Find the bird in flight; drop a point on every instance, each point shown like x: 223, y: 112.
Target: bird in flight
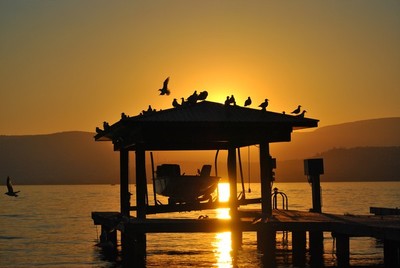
x: 247, y: 102
x: 164, y: 90
x: 297, y: 110
x: 10, y: 190
x: 264, y: 105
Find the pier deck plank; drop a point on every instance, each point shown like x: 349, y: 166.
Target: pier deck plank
x: 379, y: 226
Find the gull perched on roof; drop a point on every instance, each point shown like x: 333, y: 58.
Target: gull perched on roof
x: 297, y: 110
x: 264, y: 105
x: 247, y: 102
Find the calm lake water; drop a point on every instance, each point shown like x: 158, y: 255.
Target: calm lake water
x: 51, y: 226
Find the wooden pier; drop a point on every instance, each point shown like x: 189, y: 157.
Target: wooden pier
x: 342, y: 228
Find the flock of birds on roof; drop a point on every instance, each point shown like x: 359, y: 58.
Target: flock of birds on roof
x: 230, y: 100
x: 194, y: 98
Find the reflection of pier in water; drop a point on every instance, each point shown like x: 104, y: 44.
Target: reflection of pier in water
x: 213, y: 126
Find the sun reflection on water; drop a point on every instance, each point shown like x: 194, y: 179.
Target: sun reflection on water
x: 222, y: 243
x: 223, y: 249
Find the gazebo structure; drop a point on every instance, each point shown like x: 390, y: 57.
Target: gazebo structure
x: 213, y: 126
x: 199, y: 126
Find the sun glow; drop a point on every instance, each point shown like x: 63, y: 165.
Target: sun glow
x: 223, y: 196
x: 223, y: 192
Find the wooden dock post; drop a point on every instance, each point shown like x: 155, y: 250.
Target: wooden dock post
x: 266, y: 177
x: 139, y: 239
x: 299, y: 241
x: 313, y: 168
x: 232, y: 175
x: 124, y: 182
x: 266, y: 244
x: 342, y: 250
x: 391, y: 253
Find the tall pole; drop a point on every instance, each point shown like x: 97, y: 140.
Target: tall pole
x: 124, y: 182
x: 266, y: 174
x: 141, y: 182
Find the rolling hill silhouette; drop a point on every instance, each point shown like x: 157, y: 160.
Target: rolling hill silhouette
x: 362, y: 151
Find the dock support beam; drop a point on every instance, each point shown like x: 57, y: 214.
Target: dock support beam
x: 299, y: 241
x: 266, y: 244
x: 266, y: 175
x: 124, y: 182
x: 391, y: 253
x: 342, y: 250
x: 141, y: 182
x: 139, y: 239
x: 232, y: 172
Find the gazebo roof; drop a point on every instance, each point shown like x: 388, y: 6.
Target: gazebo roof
x: 202, y: 126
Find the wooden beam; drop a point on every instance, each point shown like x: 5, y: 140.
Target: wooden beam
x: 266, y: 179
x: 124, y: 182
x: 141, y: 182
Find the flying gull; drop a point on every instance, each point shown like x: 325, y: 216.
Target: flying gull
x: 164, y: 90
x: 10, y: 189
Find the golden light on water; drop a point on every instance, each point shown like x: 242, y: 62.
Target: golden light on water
x: 223, y: 196
x: 223, y: 243
x: 223, y: 249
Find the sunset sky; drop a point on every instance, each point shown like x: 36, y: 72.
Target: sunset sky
x: 70, y: 65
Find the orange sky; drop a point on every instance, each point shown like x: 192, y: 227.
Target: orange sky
x: 70, y: 65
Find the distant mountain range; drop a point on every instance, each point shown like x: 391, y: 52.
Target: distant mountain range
x: 367, y: 150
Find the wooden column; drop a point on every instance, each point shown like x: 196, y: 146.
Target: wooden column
x: 266, y: 170
x: 266, y: 243
x: 342, y: 250
x: 232, y: 174
x: 138, y: 238
x: 141, y: 182
x: 299, y: 241
x: 391, y: 253
x: 124, y: 182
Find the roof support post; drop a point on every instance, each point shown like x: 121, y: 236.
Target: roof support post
x: 141, y: 182
x: 233, y: 202
x: 266, y: 174
x: 232, y: 181
x: 124, y: 182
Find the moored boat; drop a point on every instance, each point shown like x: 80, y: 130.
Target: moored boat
x: 182, y: 188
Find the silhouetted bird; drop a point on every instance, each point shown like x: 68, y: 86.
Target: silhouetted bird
x: 247, y: 102
x: 124, y: 116
x: 164, y: 90
x: 203, y: 95
x: 175, y: 103
x: 227, y: 101
x: 302, y: 114
x: 264, y: 105
x: 106, y: 125
x: 232, y: 100
x: 297, y: 110
x: 192, y: 99
x: 10, y: 190
x: 183, y: 101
